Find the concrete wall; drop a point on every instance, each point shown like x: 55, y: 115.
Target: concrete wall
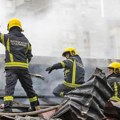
x: 38, y: 66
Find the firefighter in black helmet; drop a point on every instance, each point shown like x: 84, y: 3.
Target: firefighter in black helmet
x: 73, y: 72
x: 114, y: 80
x: 18, y: 55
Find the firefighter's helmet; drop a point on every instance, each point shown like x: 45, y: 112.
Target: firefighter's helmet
x: 115, y: 66
x: 70, y: 50
x: 14, y: 22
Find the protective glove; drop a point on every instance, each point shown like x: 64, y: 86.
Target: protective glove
x: 53, y: 67
x: 49, y: 69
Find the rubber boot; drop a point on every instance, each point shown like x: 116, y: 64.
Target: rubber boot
x: 34, y: 108
x: 37, y: 107
x: 8, y: 106
x: 34, y: 105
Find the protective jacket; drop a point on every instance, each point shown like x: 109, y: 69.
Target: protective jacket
x: 18, y: 55
x: 73, y: 71
x: 18, y: 49
x: 114, y: 81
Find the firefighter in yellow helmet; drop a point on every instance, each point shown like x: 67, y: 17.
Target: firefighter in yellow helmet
x: 15, y: 22
x: 17, y: 57
x: 73, y: 72
x: 114, y: 80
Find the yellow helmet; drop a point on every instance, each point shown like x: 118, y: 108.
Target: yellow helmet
x: 14, y: 22
x: 115, y: 66
x: 70, y: 50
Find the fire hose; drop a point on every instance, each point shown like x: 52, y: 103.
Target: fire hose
x: 31, y: 113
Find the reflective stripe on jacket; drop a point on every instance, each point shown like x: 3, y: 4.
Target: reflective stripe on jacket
x: 18, y: 49
x: 73, y: 72
x: 115, y: 85
x: 116, y: 96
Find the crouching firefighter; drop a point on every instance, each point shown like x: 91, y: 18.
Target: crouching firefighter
x: 114, y: 80
x: 73, y: 72
x: 17, y: 57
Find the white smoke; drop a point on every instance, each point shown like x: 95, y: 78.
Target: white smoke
x: 52, y: 31
x: 3, y: 14
x: 66, y: 23
x: 49, y: 33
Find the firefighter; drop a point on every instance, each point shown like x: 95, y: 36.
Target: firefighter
x: 114, y: 80
x: 73, y: 72
x: 17, y: 57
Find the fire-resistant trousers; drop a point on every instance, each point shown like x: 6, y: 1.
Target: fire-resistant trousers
x: 12, y: 75
x: 61, y: 90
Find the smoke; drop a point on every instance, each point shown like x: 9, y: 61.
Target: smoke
x: 51, y: 29
x: 53, y: 25
x: 3, y: 13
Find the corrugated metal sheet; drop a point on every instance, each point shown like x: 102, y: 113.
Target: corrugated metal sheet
x: 87, y: 102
